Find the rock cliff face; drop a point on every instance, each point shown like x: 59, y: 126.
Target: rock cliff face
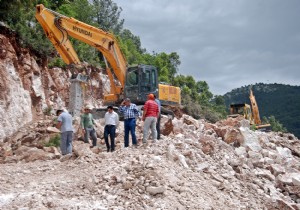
x: 13, y: 91
x: 28, y: 87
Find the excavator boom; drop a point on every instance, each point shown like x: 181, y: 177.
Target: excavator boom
x: 255, y: 110
x: 59, y: 27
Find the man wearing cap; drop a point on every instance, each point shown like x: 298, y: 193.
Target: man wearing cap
x: 150, y: 115
x: 87, y: 125
x: 65, y: 125
x: 130, y: 112
x: 111, y: 122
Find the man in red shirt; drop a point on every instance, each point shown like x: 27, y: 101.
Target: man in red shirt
x: 150, y: 115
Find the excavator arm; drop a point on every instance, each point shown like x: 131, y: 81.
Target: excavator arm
x: 59, y: 27
x: 255, y: 110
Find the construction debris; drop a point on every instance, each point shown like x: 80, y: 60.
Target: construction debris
x: 194, y: 169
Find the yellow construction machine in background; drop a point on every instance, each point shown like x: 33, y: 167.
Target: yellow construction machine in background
x: 250, y: 113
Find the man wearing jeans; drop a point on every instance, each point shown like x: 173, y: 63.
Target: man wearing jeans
x: 65, y: 125
x: 150, y: 115
x: 111, y: 122
x: 87, y: 125
x: 130, y: 112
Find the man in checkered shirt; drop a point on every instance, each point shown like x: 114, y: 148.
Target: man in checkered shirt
x: 130, y: 112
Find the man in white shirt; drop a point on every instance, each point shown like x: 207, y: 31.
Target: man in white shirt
x: 111, y: 122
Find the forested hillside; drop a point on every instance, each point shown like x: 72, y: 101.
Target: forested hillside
x: 105, y: 14
x: 281, y: 101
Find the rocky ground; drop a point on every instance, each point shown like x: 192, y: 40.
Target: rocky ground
x: 198, y: 165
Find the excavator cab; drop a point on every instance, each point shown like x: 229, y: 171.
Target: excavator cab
x: 140, y: 81
x: 241, y: 110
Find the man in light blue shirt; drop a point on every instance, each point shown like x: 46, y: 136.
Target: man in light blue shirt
x: 65, y: 125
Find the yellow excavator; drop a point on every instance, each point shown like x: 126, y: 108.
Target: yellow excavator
x: 135, y: 82
x: 250, y: 113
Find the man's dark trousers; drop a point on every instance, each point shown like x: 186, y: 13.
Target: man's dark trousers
x: 158, y: 127
x: 110, y: 130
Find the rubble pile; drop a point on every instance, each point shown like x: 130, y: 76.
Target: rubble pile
x: 194, y: 167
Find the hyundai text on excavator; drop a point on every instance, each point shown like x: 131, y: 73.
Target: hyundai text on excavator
x: 134, y: 82
x: 250, y: 113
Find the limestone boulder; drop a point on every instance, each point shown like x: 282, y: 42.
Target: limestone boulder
x: 233, y: 135
x: 82, y: 149
x: 155, y: 190
x: 53, y: 130
x: 190, y: 121
x: 167, y: 128
x: 250, y: 140
x: 208, y: 144
x: 276, y: 169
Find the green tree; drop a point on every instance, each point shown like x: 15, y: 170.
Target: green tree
x: 167, y: 61
x: 219, y: 106
x: 131, y: 47
x: 107, y: 15
x: 174, y: 62
x: 126, y: 34
x: 275, y: 124
x: 81, y: 9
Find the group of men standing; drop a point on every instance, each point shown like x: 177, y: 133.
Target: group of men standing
x: 151, y: 117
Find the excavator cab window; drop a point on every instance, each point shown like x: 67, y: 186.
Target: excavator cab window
x: 240, y: 110
x: 146, y: 81
x: 154, y: 78
x: 132, y: 78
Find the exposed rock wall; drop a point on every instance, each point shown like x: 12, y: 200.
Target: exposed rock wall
x: 28, y: 87
x: 15, y: 101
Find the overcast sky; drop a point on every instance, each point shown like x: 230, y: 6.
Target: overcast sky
x: 227, y: 43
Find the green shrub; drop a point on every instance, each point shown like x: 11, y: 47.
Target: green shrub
x: 56, y: 62
x: 54, y: 141
x: 275, y: 124
x: 253, y: 127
